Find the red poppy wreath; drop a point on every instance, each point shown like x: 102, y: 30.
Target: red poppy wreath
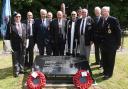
x: 36, y: 80
x: 82, y: 79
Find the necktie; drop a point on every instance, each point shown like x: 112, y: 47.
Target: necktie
x: 30, y: 28
x: 19, y: 30
x: 59, y: 23
x: 43, y: 22
x: 103, y: 23
x: 97, y: 19
x: 82, y: 27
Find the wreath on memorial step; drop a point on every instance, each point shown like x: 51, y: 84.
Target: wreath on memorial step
x: 36, y: 80
x: 82, y: 79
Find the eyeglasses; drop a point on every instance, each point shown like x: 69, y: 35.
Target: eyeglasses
x: 73, y: 14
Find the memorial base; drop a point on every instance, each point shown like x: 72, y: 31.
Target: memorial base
x: 58, y: 69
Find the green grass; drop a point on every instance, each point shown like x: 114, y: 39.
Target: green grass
x: 118, y: 81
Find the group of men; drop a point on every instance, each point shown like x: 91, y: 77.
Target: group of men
x: 62, y: 36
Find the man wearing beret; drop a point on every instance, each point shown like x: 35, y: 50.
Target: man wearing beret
x: 16, y: 33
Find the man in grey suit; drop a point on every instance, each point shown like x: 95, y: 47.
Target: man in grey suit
x: 42, y: 34
x: 16, y: 33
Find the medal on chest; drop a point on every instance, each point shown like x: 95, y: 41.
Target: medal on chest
x: 109, y: 30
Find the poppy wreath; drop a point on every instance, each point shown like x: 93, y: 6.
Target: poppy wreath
x: 82, y: 81
x: 37, y: 82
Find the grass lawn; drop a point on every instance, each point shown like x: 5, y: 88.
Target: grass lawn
x: 118, y: 81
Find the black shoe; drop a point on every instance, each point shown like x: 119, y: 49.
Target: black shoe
x: 22, y: 71
x: 16, y: 74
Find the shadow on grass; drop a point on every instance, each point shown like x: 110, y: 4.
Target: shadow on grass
x: 6, y: 72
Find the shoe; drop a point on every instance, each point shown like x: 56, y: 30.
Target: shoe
x: 16, y: 74
x: 95, y: 63
x: 94, y: 83
x: 21, y: 72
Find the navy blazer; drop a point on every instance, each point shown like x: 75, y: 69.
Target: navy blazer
x: 54, y: 29
x: 41, y: 31
x: 96, y: 29
x: 110, y: 33
x: 88, y: 30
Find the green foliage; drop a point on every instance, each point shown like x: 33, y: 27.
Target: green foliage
x: 118, y: 7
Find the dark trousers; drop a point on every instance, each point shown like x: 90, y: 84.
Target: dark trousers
x: 18, y: 59
x: 74, y: 51
x: 42, y: 45
x: 98, y: 57
x: 29, y: 53
x: 48, y: 48
x: 58, y: 48
x: 108, y: 57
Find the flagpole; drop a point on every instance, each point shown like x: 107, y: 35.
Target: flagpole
x: 6, y: 13
x: 4, y: 48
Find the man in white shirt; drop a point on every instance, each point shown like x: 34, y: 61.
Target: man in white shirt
x: 31, y: 41
x: 42, y: 34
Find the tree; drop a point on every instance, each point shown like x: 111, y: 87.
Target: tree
x: 117, y: 7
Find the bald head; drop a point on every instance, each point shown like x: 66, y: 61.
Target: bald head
x: 59, y: 14
x: 29, y: 15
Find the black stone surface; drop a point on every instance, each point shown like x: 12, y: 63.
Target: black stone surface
x: 58, y: 68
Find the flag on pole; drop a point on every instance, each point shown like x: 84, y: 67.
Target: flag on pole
x: 6, y: 13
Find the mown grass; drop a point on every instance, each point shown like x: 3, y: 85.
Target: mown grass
x: 118, y: 81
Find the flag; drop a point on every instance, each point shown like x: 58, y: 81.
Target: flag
x: 6, y: 13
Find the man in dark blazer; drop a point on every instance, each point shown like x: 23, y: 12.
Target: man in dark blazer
x: 96, y: 38
x: 16, y: 33
x: 84, y: 34
x: 42, y: 33
x: 70, y: 33
x: 57, y: 28
x: 110, y: 41
x: 31, y: 40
